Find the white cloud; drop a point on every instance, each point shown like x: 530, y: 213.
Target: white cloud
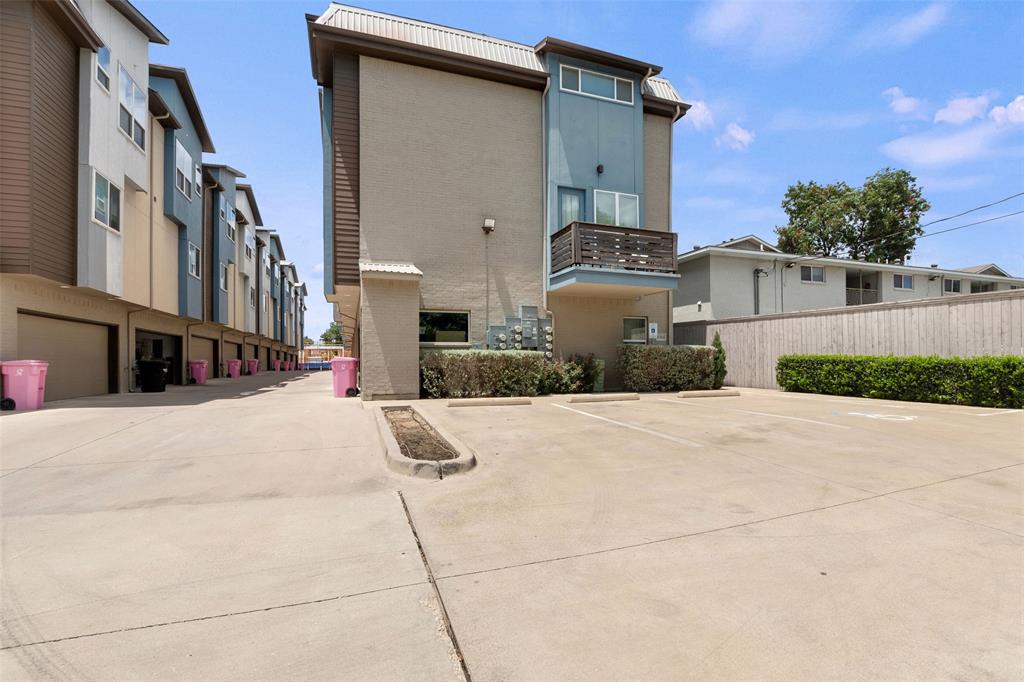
x: 955, y: 183
x: 699, y: 116
x: 962, y: 109
x: 944, y: 149
x: 907, y: 30
x: 735, y: 137
x: 319, y: 267
x: 1010, y: 114
x: 769, y: 32
x: 900, y: 103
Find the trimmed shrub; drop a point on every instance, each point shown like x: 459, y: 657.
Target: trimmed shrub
x: 494, y: 373
x: 591, y: 369
x: 666, y: 368
x: 719, y: 362
x: 987, y: 381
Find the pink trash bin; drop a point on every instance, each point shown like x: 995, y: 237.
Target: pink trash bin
x: 253, y: 365
x: 288, y: 365
x: 343, y: 372
x: 277, y: 365
x: 234, y: 368
x: 24, y: 383
x: 197, y: 369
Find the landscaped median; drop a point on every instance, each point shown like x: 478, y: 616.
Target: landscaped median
x: 986, y: 381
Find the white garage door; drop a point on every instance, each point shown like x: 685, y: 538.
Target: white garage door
x: 77, y: 353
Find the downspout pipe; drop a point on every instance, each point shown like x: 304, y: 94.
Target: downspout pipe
x: 758, y: 274
x: 544, y: 208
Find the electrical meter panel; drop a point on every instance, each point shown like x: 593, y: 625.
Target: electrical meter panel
x: 526, y: 332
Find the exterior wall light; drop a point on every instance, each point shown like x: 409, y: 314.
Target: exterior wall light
x: 488, y: 225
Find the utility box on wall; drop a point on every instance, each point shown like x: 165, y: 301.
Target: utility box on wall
x: 526, y: 332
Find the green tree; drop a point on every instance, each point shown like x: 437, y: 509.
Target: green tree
x: 306, y: 341
x: 332, y: 336
x: 718, y: 362
x: 877, y: 221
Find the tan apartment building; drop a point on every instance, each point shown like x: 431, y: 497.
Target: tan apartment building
x: 107, y: 205
x: 481, y: 193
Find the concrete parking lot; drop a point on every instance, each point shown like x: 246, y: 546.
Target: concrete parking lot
x: 250, y: 530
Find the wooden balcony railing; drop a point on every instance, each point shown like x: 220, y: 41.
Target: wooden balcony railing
x: 607, y: 246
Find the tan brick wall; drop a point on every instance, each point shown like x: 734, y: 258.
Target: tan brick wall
x: 389, y: 344
x: 594, y: 325
x: 657, y: 172
x: 440, y: 153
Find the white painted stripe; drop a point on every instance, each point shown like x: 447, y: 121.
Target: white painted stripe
x: 996, y: 414
x: 761, y: 414
x: 657, y: 434
x: 928, y: 407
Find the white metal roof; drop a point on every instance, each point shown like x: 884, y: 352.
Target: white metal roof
x: 456, y: 41
x: 390, y: 268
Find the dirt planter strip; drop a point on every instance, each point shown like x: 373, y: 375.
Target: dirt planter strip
x: 602, y: 397
x: 397, y: 461
x: 711, y: 393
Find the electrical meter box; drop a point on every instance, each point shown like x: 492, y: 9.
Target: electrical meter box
x: 526, y: 332
x: 497, y: 338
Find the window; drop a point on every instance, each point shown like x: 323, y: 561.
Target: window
x: 106, y: 205
x: 182, y: 170
x: 222, y: 204
x: 634, y: 330
x: 570, y: 205
x: 266, y: 298
x: 132, y: 110
x: 615, y: 208
x: 812, y: 273
x: 252, y: 297
x: 443, y: 327
x: 103, y: 67
x: 230, y: 222
x: 194, y: 260
x: 951, y: 286
x: 197, y: 180
x: 902, y: 281
x: 982, y: 287
x: 597, y: 85
x: 223, y: 277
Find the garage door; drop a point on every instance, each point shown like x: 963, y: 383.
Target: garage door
x: 251, y: 352
x: 78, y: 354
x: 201, y: 349
x: 232, y: 351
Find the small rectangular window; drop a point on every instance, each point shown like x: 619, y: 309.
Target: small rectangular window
x: 197, y: 180
x: 570, y: 79
x: 903, y: 281
x: 132, y: 110
x: 103, y: 67
x: 252, y: 297
x: 812, y: 273
x: 616, y: 208
x: 223, y: 277
x: 951, y: 286
x: 230, y: 221
x: 183, y: 170
x: 443, y: 327
x: 106, y: 209
x: 194, y: 260
x: 634, y: 330
x: 624, y: 90
x: 596, y: 84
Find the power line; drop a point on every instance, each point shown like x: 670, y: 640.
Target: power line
x: 960, y: 227
x: 972, y: 210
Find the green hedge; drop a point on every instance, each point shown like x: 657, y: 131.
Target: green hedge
x: 988, y: 381
x: 666, y: 368
x: 490, y: 373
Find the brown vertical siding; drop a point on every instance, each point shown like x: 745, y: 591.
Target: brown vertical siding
x: 345, y: 125
x: 38, y: 143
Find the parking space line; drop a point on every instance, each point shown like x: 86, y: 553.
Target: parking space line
x: 996, y: 414
x: 761, y: 414
x: 889, y: 404
x: 657, y: 434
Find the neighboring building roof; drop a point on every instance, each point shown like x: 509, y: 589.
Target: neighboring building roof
x: 139, y: 21
x: 188, y: 95
x: 252, y: 202
x: 395, y: 37
x: 753, y: 240
x: 220, y: 166
x: 399, y: 269
x: 846, y: 263
x: 158, y: 107
x: 986, y: 269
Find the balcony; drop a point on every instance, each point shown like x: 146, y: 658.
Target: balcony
x: 592, y: 259
x: 861, y: 296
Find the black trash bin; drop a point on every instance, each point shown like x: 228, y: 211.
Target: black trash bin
x: 153, y: 376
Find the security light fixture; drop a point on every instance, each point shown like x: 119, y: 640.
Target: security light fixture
x: 488, y: 225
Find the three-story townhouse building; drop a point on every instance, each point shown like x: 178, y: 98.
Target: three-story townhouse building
x: 485, y: 193
x: 103, y: 255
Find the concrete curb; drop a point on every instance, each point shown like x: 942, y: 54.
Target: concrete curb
x: 709, y: 393
x: 416, y: 468
x: 485, y: 402
x: 602, y: 397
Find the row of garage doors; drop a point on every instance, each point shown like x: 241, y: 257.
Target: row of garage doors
x: 83, y: 355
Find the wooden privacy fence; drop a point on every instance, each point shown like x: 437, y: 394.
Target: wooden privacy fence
x: 968, y: 325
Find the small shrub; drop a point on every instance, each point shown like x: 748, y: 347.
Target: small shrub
x: 666, y: 368
x: 493, y: 373
x: 986, y: 381
x: 561, y: 377
x: 719, y: 362
x: 591, y: 368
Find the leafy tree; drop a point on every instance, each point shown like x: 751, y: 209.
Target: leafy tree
x: 877, y: 221
x: 332, y: 336
x: 718, y: 362
x: 306, y: 341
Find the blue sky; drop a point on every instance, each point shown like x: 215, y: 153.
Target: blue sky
x: 781, y: 92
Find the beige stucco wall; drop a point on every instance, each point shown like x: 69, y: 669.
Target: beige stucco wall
x: 657, y: 172
x: 594, y: 325
x: 440, y: 153
x: 389, y: 332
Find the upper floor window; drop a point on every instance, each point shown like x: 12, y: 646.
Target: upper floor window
x: 132, y: 112
x: 106, y: 205
x: 182, y: 170
x: 222, y: 205
x: 814, y: 274
x: 231, y: 223
x: 103, y: 67
x: 597, y: 85
x: 197, y: 180
x: 250, y: 245
x: 616, y: 208
x: 252, y: 297
x: 223, y: 277
x: 902, y: 281
x: 194, y: 260
x: 951, y: 286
